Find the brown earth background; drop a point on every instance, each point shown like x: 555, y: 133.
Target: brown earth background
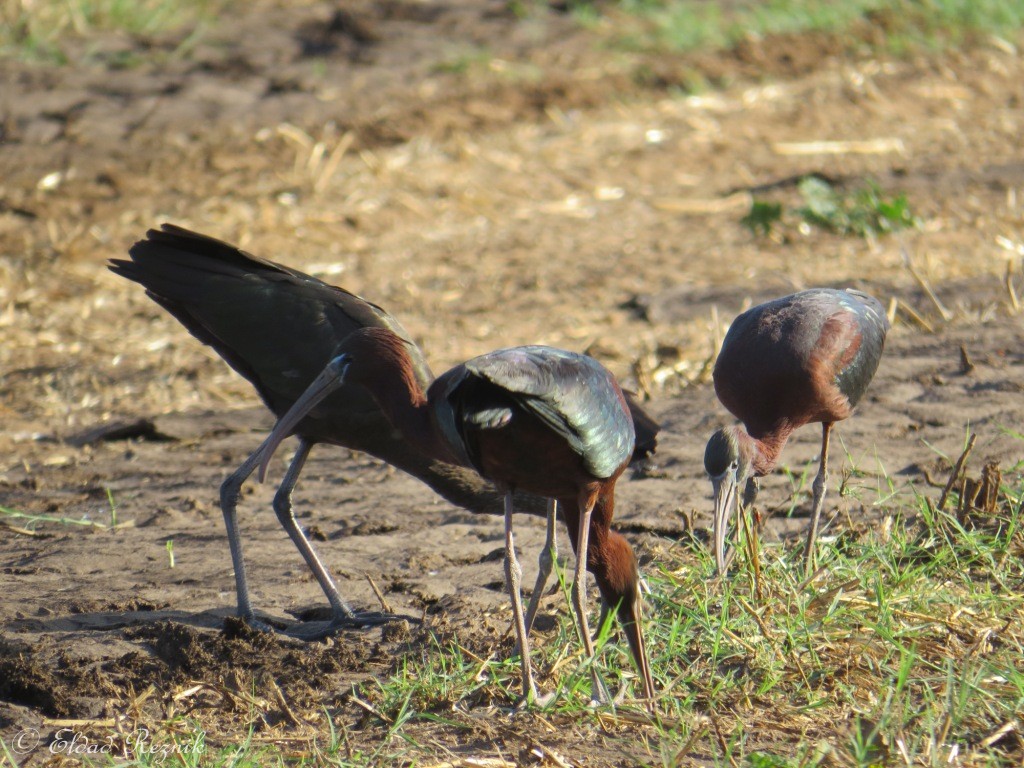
x: 491, y: 180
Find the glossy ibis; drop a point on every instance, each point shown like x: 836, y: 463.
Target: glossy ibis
x: 800, y: 359
x: 277, y: 327
x: 551, y: 422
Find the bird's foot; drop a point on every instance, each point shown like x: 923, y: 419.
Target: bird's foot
x: 534, y: 700
x: 600, y: 696
x: 235, y: 624
x: 318, y: 630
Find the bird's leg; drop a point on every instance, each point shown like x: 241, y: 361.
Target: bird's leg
x: 579, y: 601
x: 819, y: 499
x: 548, y: 556
x: 229, y: 492
x: 752, y: 526
x: 341, y: 614
x: 750, y: 491
x: 513, y: 577
x: 283, y: 509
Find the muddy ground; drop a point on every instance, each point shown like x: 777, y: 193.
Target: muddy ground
x: 491, y: 180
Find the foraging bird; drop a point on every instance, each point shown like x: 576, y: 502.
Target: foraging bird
x: 551, y: 422
x: 797, y: 360
x: 277, y: 327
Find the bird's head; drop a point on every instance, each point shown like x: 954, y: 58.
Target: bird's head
x: 728, y: 460
x: 618, y: 579
x: 725, y: 453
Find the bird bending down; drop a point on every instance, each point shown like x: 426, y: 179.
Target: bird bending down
x: 276, y: 327
x: 800, y: 359
x: 544, y: 420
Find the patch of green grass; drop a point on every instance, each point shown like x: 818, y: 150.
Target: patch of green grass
x: 688, y: 25
x: 865, y: 211
x: 463, y: 61
x: 763, y: 216
x: 42, y: 30
x: 905, y: 651
x: 30, y: 521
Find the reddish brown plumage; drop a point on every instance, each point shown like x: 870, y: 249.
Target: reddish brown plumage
x: 480, y: 414
x: 797, y: 360
x: 276, y: 327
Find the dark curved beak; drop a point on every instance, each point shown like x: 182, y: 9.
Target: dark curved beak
x: 631, y: 617
x: 725, y: 502
x: 329, y: 380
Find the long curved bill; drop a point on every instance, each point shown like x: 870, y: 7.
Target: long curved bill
x: 725, y: 502
x: 329, y: 380
x: 631, y: 617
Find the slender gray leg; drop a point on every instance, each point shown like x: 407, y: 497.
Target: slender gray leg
x: 750, y: 491
x: 513, y: 579
x: 548, y: 556
x: 341, y: 614
x: 283, y: 509
x: 599, y: 693
x: 229, y: 492
x: 819, y: 499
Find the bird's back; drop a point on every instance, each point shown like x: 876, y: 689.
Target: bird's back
x: 274, y: 325
x: 573, y: 396
x: 278, y: 327
x: 856, y: 374
x: 804, y: 357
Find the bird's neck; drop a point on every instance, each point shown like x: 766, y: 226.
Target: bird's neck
x: 407, y: 408
x: 766, y: 448
x: 386, y: 370
x: 614, y: 566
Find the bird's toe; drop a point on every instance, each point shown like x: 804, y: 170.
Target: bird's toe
x: 312, y: 631
x: 374, y: 619
x: 600, y: 696
x: 234, y: 624
x: 534, y: 700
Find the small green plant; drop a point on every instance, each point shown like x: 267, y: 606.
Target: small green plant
x: 767, y: 760
x: 170, y: 552
x: 762, y: 217
x: 31, y: 521
x: 113, y: 507
x: 464, y: 61
x: 864, y: 212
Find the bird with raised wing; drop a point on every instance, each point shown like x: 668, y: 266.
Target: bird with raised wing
x: 277, y: 327
x: 800, y: 359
